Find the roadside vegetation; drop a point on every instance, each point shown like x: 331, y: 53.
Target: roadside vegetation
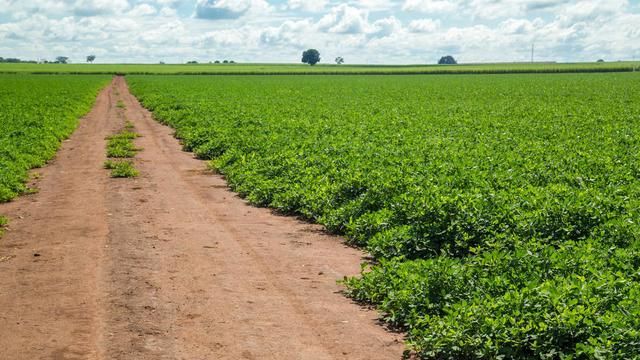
x: 38, y: 112
x: 502, y: 211
x: 3, y: 224
x: 119, y: 147
x: 121, y: 168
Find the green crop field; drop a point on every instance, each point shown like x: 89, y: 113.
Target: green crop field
x: 36, y: 113
x: 503, y: 211
x: 318, y: 69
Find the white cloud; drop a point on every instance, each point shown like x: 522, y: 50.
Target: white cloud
x: 424, y: 25
x: 99, y: 7
x: 228, y: 9
x: 143, y: 10
x: 494, y: 9
x: 591, y: 9
x: 289, y: 33
x: 170, y: 3
x: 430, y: 6
x: 519, y: 26
x: 225, y: 37
x: 363, y: 31
x: 345, y: 19
x: 385, y: 27
x: 375, y: 5
x: 307, y: 5
x: 168, y: 12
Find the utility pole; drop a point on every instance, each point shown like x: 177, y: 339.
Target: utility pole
x: 532, y: 50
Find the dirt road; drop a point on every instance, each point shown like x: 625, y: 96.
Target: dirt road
x: 170, y: 265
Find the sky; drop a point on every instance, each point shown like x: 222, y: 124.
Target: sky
x: 360, y: 31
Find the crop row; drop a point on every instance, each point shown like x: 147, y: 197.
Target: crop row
x: 280, y: 69
x: 502, y: 210
x: 36, y: 114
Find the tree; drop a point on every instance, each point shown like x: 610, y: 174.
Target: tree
x: 225, y: 61
x: 62, y: 59
x: 90, y: 58
x: 339, y: 60
x: 217, y: 62
x: 600, y: 60
x: 311, y: 57
x: 447, y: 60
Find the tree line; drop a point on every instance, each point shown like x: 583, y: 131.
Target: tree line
x: 312, y: 57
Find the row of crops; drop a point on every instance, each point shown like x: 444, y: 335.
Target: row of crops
x: 503, y: 211
x: 36, y: 114
x: 249, y: 69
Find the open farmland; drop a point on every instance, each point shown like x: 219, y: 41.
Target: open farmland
x: 300, y: 69
x: 502, y: 210
x: 38, y: 112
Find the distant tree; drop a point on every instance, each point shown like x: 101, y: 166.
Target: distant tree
x: 161, y: 63
x: 217, y: 62
x: 225, y: 61
x: 62, y: 59
x: 447, y: 60
x: 231, y: 62
x: 311, y: 57
x: 600, y: 60
x: 339, y: 60
x: 91, y: 58
x: 192, y: 62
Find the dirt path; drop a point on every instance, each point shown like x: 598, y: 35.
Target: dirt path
x: 170, y: 265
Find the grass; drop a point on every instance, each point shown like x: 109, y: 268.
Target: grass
x: 121, y: 105
x: 121, y: 168
x: 3, y: 223
x: 121, y: 145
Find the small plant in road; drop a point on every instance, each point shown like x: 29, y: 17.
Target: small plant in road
x: 120, y: 146
x: 121, y: 168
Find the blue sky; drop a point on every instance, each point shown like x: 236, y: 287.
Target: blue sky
x: 361, y: 31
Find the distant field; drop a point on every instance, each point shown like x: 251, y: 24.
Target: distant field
x: 212, y: 69
x: 503, y: 211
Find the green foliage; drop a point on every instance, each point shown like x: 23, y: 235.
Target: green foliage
x: 36, y: 114
x: 3, y: 223
x: 121, y: 145
x: 502, y: 210
x: 121, y: 168
x: 575, y: 301
x: 311, y: 57
x: 447, y: 60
